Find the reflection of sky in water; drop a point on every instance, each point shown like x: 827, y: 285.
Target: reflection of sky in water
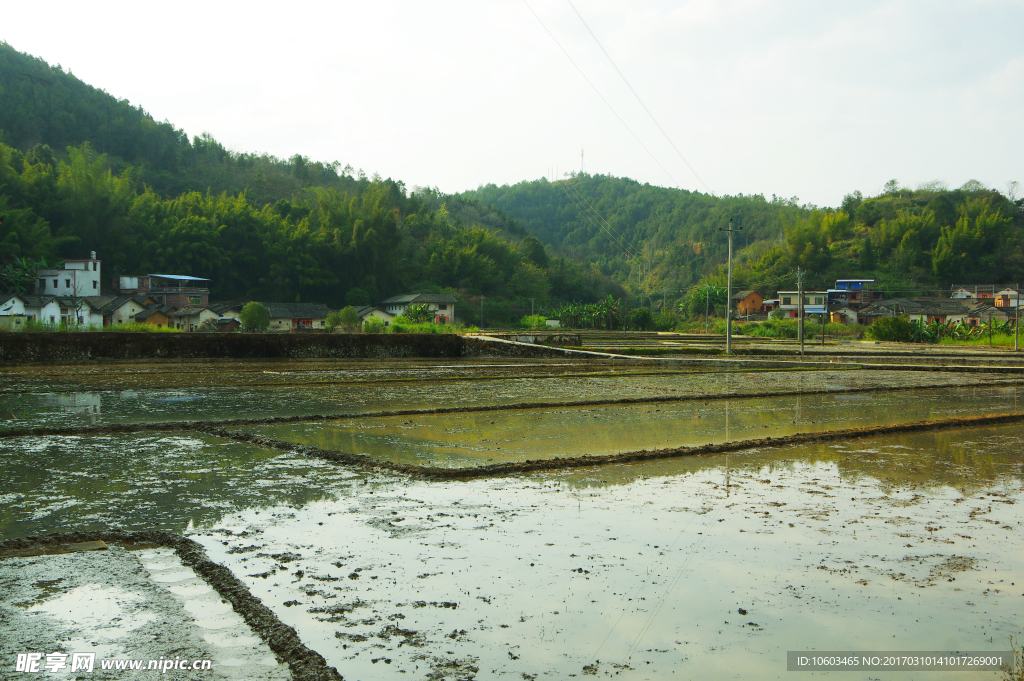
x: 647, y: 567
x: 164, y: 481
x: 473, y: 439
x: 126, y: 394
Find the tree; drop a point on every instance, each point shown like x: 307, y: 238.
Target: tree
x: 418, y: 314
x: 357, y: 296
x: 640, y: 319
x: 349, y: 317
x: 254, y: 317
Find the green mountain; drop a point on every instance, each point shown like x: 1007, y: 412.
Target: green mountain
x: 660, y: 241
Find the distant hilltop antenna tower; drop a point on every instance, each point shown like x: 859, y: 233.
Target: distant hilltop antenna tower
x: 583, y: 166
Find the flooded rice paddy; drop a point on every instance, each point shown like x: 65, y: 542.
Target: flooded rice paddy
x: 699, y: 567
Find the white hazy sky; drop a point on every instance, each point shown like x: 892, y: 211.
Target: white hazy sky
x: 797, y: 98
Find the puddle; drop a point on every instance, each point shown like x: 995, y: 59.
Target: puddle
x: 473, y: 439
x: 109, y: 605
x: 695, y: 568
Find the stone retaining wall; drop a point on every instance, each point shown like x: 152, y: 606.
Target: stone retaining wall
x: 61, y: 347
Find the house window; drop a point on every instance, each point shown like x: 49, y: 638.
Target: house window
x: 94, y: 267
x: 194, y: 300
x: 67, y: 283
x: 442, y: 306
x: 54, y: 283
x: 787, y: 301
x: 95, y: 284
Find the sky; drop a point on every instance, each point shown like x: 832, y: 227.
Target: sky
x: 796, y: 98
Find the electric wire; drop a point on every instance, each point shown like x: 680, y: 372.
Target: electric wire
x: 603, y: 99
x: 626, y: 81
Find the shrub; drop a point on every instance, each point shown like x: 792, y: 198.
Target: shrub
x: 898, y: 329
x: 347, y: 317
x: 640, y: 319
x: 533, y: 322
x: 373, y: 325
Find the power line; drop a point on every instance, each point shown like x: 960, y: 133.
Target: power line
x: 607, y: 103
x: 589, y: 211
x: 626, y: 81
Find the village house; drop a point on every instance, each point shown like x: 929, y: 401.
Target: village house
x: 156, y: 315
x: 941, y: 310
x: 190, y: 318
x: 27, y: 307
x: 176, y: 290
x: 984, y: 312
x: 1007, y: 297
x: 855, y: 293
x: 440, y: 305
x: 814, y: 302
x: 297, y: 316
x: 115, y: 310
x: 367, y: 311
x: 842, y: 314
x: 747, y: 303
x: 77, y: 278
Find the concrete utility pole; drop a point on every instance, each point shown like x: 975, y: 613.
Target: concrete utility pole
x: 533, y: 319
x: 800, y: 308
x: 481, y: 310
x: 1016, y: 325
x: 824, y: 317
x: 728, y: 293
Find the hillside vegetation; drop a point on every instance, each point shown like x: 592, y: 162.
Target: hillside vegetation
x: 660, y: 241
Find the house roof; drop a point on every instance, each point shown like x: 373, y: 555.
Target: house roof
x: 177, y: 276
x: 34, y: 300
x: 876, y: 309
x: 297, y: 310
x: 743, y: 294
x: 189, y: 311
x: 409, y: 298
x: 108, y: 303
x: 922, y: 306
x: 222, y: 307
x: 367, y: 309
x: 152, y: 310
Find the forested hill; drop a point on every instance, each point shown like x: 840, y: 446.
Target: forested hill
x: 659, y: 240
x: 45, y: 105
x: 626, y: 226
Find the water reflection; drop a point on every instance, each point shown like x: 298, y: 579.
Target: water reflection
x: 166, y: 481
x: 473, y: 439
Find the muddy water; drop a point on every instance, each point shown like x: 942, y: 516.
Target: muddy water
x: 908, y: 542
x: 73, y: 396
x: 166, y: 481
x: 472, y: 439
x: 920, y: 548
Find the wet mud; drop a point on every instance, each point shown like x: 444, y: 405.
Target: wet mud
x: 306, y: 664
x: 9, y: 430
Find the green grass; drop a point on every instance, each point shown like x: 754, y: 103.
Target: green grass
x: 998, y: 340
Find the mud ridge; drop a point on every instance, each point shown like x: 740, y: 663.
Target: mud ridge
x: 114, y: 428
x: 525, y: 467
x: 305, y: 664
